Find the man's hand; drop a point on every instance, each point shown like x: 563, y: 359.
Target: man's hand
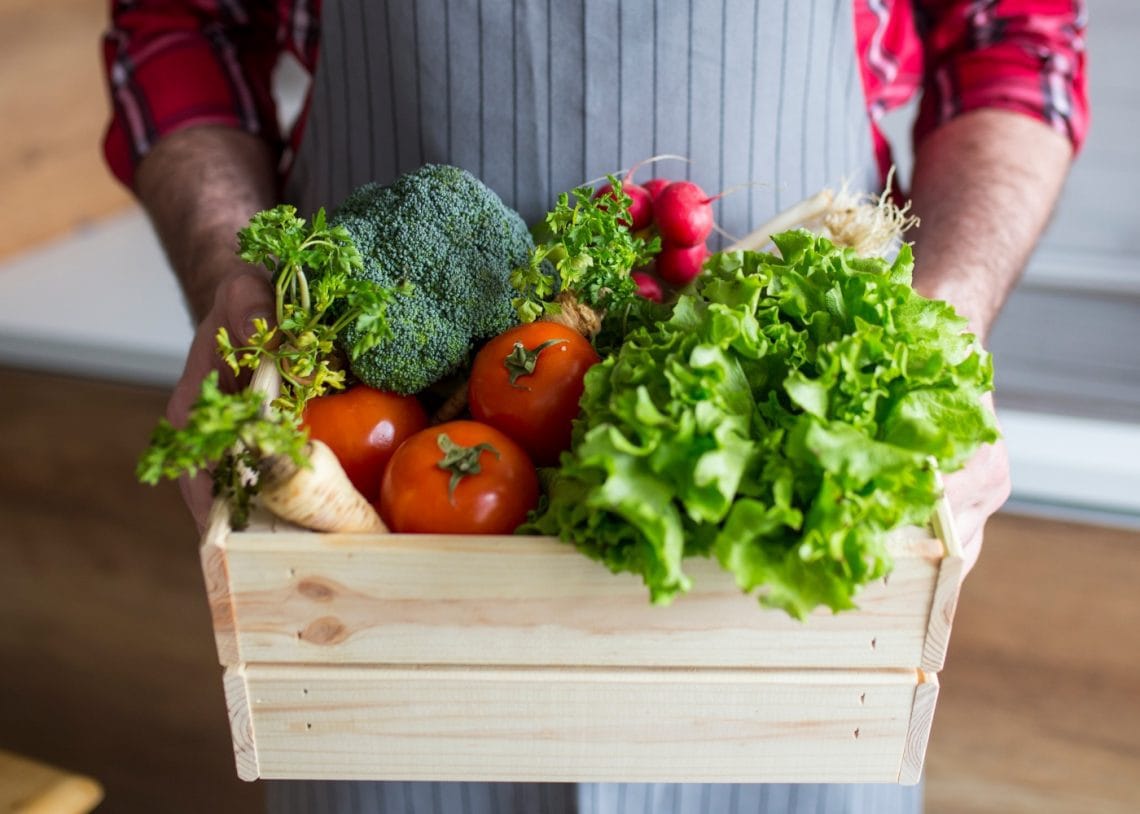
x: 977, y: 491
x: 200, y: 186
x: 984, y: 186
x: 238, y: 301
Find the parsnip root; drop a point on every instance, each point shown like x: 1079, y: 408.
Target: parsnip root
x: 318, y: 497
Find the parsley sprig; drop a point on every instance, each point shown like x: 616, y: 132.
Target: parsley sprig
x: 592, y: 252
x: 232, y: 432
x: 317, y: 298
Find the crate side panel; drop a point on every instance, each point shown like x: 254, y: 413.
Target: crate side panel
x: 303, y: 598
x: 562, y: 725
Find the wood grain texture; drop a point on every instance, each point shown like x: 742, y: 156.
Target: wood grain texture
x: 241, y: 723
x: 215, y: 573
x: 54, y: 107
x: 918, y: 730
x: 561, y: 724
x: 941, y: 618
x: 336, y: 599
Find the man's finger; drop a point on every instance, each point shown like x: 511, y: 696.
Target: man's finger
x: 245, y: 298
x: 198, y: 496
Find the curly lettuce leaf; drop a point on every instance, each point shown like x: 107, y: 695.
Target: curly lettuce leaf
x: 783, y: 420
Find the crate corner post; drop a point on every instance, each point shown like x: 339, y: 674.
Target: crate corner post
x: 219, y: 592
x: 918, y: 729
x: 944, y: 602
x: 241, y: 723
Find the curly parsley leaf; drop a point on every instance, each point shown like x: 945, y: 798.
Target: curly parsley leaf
x: 226, y: 434
x: 585, y: 248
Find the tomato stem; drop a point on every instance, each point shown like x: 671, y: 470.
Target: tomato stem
x: 521, y: 360
x: 460, y: 461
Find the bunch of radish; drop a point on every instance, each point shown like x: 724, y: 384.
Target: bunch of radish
x: 681, y: 214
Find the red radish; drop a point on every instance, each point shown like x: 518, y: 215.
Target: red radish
x: 683, y: 214
x: 647, y: 286
x: 640, y: 206
x: 654, y: 186
x: 678, y: 265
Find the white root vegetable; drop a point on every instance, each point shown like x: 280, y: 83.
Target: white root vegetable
x: 869, y: 225
x: 319, y: 497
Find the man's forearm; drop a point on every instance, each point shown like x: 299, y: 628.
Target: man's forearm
x: 984, y: 186
x: 200, y: 186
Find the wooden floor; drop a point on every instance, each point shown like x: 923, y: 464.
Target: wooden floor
x: 109, y: 667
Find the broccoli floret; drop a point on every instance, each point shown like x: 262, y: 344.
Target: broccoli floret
x: 450, y: 236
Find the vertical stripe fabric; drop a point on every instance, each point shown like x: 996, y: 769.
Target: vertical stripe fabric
x: 340, y: 797
x: 536, y: 97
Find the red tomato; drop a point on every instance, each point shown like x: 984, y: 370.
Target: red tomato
x: 547, y: 363
x: 363, y: 427
x: 461, y: 477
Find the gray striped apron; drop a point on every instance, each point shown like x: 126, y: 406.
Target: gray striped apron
x: 538, y: 97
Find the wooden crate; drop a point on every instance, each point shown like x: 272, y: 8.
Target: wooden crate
x: 416, y: 657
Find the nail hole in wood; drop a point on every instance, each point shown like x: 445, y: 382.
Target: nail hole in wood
x: 292, y: 572
x: 310, y: 726
x: 856, y: 733
x: 304, y: 691
x: 862, y: 698
x: 874, y: 642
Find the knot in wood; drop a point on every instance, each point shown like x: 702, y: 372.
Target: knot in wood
x: 326, y: 630
x: 316, y: 590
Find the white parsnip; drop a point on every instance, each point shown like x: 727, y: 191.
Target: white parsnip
x: 319, y: 496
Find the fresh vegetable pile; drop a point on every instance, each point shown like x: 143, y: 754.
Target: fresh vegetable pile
x: 782, y: 412
x: 783, y: 419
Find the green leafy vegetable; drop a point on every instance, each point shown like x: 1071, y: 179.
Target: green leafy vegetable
x: 782, y: 420
x: 231, y: 432
x: 592, y: 253
x: 317, y: 299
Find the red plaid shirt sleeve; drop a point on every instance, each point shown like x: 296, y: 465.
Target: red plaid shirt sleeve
x: 173, y: 64
x: 1022, y: 55
x: 1026, y: 56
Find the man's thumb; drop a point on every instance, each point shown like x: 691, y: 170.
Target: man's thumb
x: 247, y: 297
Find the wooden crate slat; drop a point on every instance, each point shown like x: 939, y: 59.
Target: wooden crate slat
x: 306, y: 598
x: 559, y: 724
x: 918, y: 732
x: 241, y: 722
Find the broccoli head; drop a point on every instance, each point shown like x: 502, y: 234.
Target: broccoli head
x: 452, y: 238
